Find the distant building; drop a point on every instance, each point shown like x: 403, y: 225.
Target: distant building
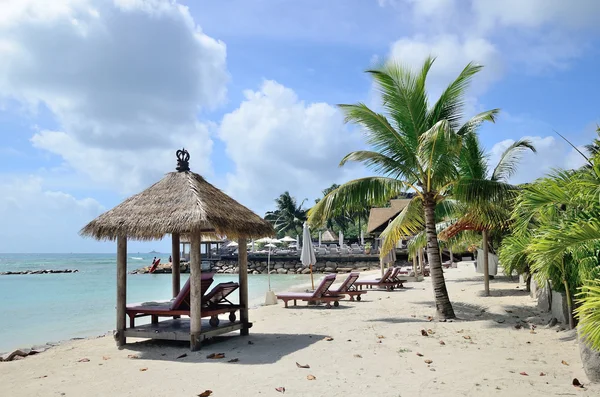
x: 379, y: 218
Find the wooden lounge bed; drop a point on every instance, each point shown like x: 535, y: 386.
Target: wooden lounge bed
x: 319, y: 295
x: 348, y: 288
x: 384, y: 282
x: 213, y: 303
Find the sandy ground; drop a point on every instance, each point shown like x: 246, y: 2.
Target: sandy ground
x: 377, y: 349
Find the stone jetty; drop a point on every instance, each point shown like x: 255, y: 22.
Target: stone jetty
x: 46, y: 271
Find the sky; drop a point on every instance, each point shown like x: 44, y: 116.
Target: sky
x: 97, y: 95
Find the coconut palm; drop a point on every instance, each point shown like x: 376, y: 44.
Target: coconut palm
x: 415, y: 147
x: 289, y: 215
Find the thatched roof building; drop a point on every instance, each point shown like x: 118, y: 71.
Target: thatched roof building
x: 380, y: 217
x: 182, y: 204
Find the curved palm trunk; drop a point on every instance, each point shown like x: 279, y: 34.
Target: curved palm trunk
x: 442, y: 300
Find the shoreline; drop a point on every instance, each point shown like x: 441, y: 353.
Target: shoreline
x: 254, y: 304
x: 376, y: 348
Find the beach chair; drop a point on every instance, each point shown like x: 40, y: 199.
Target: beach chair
x: 348, y: 288
x: 397, y: 277
x: 213, y: 303
x: 383, y: 282
x: 319, y: 295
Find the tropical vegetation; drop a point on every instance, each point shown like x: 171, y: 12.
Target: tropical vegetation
x: 415, y: 146
x: 289, y: 216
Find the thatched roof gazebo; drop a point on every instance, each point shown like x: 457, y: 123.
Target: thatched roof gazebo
x: 181, y: 204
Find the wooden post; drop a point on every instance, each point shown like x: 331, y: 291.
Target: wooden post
x: 451, y: 257
x: 195, y: 291
x: 175, y: 267
x: 421, y: 261
x: 121, y: 289
x: 243, y: 278
x: 382, y: 265
x: 486, y: 264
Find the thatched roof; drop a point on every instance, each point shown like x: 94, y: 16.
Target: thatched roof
x: 381, y: 216
x: 182, y: 202
x: 329, y: 236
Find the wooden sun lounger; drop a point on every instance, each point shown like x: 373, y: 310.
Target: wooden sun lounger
x: 383, y: 282
x: 348, y: 288
x: 213, y: 304
x: 319, y: 295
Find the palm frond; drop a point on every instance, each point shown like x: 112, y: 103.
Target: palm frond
x: 409, y: 222
x: 355, y: 195
x: 507, y: 165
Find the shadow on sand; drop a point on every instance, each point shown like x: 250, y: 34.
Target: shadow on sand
x: 254, y: 349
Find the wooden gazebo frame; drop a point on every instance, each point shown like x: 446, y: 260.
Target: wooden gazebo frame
x: 181, y: 204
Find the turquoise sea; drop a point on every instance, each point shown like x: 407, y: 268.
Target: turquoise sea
x: 36, y: 309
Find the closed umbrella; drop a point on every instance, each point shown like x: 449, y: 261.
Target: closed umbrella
x: 307, y: 256
x: 389, y: 258
x: 320, y: 236
x: 362, y: 238
x: 297, y: 242
x: 341, y: 239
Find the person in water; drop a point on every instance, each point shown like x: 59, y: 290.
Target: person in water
x: 154, y: 260
x: 170, y: 259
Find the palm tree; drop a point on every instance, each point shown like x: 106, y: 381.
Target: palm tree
x: 481, y: 213
x: 289, y: 216
x: 414, y: 147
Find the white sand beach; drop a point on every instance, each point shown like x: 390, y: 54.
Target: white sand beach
x: 377, y: 349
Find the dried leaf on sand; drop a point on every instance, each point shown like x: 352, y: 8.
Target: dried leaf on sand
x: 563, y: 362
x: 419, y: 354
x: 428, y: 361
x: 380, y: 337
x: 523, y: 373
x: 424, y: 333
x: 143, y: 369
x: 205, y: 393
x: 311, y: 377
x: 357, y: 356
x: 466, y: 337
x: 182, y: 356
x: 280, y: 389
x: 83, y: 360
x: 442, y: 343
x: 328, y: 338
x: 216, y: 356
x: 133, y: 356
x: 576, y: 383
x: 233, y: 360
x: 430, y: 331
x: 302, y: 366
x: 105, y: 358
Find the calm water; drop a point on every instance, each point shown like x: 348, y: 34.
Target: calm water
x: 35, y: 309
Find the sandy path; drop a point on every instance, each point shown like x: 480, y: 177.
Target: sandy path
x: 373, y: 352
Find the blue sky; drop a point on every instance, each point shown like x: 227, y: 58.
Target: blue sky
x: 96, y: 95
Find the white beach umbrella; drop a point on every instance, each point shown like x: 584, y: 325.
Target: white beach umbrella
x: 270, y: 245
x: 232, y: 244
x: 307, y: 256
x: 288, y: 239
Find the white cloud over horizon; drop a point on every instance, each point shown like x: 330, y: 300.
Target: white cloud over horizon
x: 280, y: 143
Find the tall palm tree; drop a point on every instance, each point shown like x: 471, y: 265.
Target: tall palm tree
x: 415, y: 147
x: 289, y: 215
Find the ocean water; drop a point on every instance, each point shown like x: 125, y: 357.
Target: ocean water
x: 36, y: 309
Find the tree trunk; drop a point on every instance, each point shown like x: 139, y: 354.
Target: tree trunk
x: 442, y: 300
x: 486, y: 262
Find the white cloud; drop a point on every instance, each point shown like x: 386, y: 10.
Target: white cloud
x: 280, y: 143
x: 453, y: 54
x: 124, y: 79
x: 38, y: 220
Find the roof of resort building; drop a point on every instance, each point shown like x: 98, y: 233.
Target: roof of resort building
x: 182, y: 202
x: 328, y: 236
x: 381, y: 216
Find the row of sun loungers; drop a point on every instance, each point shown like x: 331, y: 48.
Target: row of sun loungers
x: 351, y: 287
